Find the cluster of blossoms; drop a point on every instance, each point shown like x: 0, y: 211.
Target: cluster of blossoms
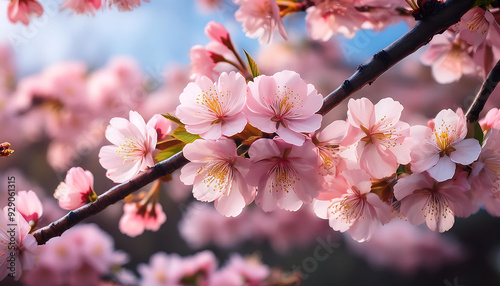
x: 201, y: 269
x: 24, y: 10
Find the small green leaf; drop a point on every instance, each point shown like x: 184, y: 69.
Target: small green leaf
x: 478, y: 132
x: 172, y: 118
x: 169, y: 152
x: 186, y: 137
x: 253, y: 66
x: 484, y: 3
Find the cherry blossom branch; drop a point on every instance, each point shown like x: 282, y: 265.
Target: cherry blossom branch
x: 484, y: 93
x: 443, y: 17
x: 439, y: 20
x: 110, y: 197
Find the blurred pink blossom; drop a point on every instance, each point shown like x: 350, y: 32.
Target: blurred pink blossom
x: 260, y: 18
x: 214, y: 109
x: 82, y: 6
x: 163, y: 270
x: 23, y: 10
x: 137, y: 218
x: 241, y: 271
x: 284, y: 103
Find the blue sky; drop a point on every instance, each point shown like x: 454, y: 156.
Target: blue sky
x: 156, y: 34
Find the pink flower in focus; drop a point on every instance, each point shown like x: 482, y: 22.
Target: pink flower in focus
x: 162, y: 125
x: 82, y: 6
x: 137, y: 218
x: 132, y: 152
x: 380, y: 136
x: 163, y: 270
x: 436, y: 203
x: 449, y: 58
x: 438, y: 150
x: 285, y: 104
x: 29, y: 205
x: 491, y: 120
x: 286, y: 175
x: 260, y: 18
x: 76, y: 190
x: 217, y: 173
x: 357, y: 209
x: 214, y: 109
x: 328, y: 142
x: 17, y: 246
x: 22, y: 10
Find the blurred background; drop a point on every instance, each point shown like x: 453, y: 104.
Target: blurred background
x: 139, y: 60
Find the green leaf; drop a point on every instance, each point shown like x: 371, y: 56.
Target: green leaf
x: 172, y: 118
x: 484, y: 3
x: 186, y: 137
x: 478, y: 132
x: 253, y: 66
x: 169, y: 152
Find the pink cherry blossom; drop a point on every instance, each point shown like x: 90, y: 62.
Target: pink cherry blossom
x: 286, y: 176
x: 436, y: 203
x: 215, y: 31
x: 491, y: 120
x: 285, y: 104
x: 217, y: 173
x: 380, y: 136
x: 22, y: 10
x: 356, y: 210
x: 260, y: 18
x: 330, y: 17
x: 82, y: 6
x: 202, y: 63
x: 125, y: 5
x: 137, y: 218
x: 17, y: 246
x: 449, y: 57
x: 162, y: 125
x: 328, y: 143
x: 241, y: 271
x: 438, y: 150
x: 475, y: 25
x: 214, y: 109
x: 132, y: 152
x: 485, y: 176
x: 29, y: 206
x: 76, y: 190
x: 163, y: 270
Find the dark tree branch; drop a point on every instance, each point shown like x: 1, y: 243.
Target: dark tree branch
x: 112, y: 196
x: 443, y: 17
x: 484, y: 93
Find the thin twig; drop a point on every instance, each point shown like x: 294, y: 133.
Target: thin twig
x: 448, y: 14
x: 484, y: 93
x: 112, y: 196
x: 441, y: 19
